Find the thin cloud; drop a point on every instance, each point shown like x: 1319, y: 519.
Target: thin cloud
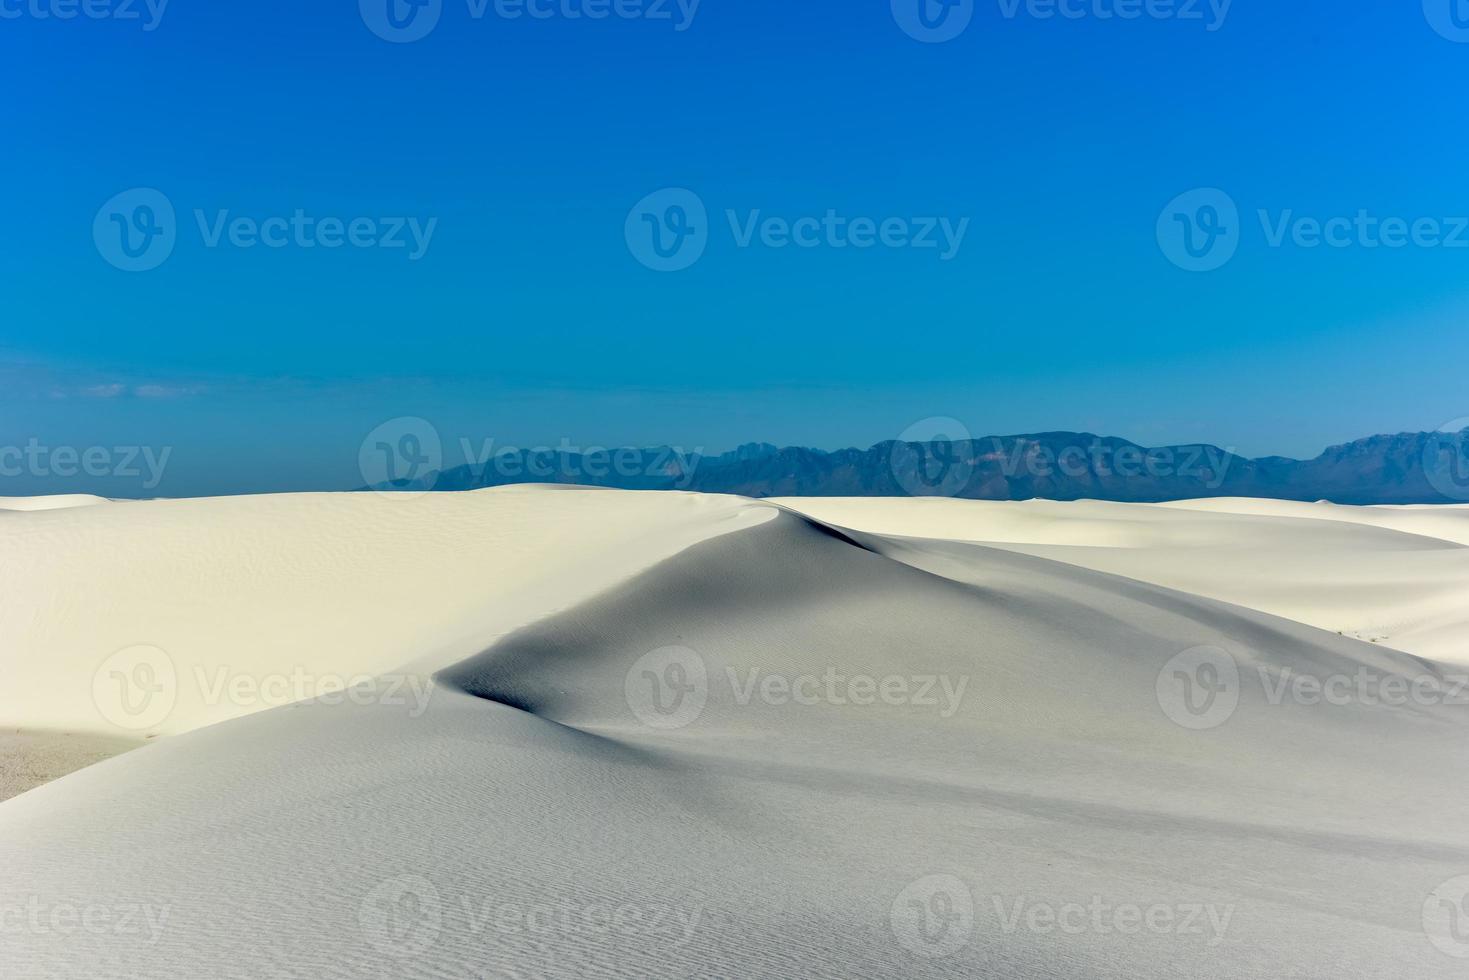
x: 113, y: 390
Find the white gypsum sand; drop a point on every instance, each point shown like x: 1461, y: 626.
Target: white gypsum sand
x: 59, y: 501
x: 1398, y: 576
x: 688, y: 736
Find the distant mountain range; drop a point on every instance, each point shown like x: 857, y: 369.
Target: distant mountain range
x: 1419, y: 467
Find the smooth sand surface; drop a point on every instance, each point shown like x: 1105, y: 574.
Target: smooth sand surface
x: 1397, y: 576
x: 300, y: 592
x: 59, y: 501
x: 707, y: 737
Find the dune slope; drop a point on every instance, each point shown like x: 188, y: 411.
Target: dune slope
x: 787, y: 750
x: 232, y: 605
x: 1397, y: 576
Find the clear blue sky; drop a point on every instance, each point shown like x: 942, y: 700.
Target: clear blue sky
x: 528, y: 319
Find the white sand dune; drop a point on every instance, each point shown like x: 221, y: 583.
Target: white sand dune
x: 704, y: 737
x: 58, y: 501
x: 1449, y: 522
x: 1398, y: 576
x: 306, y: 590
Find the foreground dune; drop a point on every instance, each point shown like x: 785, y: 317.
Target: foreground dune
x: 672, y: 735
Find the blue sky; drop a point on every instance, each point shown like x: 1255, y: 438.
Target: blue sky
x: 521, y: 144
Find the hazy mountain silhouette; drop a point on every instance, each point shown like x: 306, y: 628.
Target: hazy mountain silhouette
x: 1419, y: 467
